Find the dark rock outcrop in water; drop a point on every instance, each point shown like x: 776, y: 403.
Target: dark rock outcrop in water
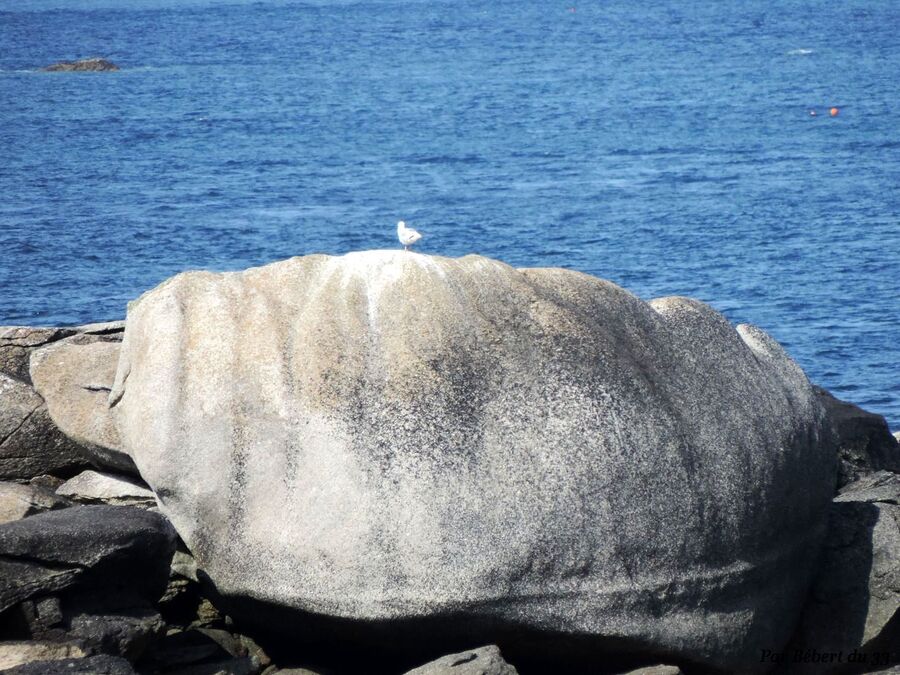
x: 458, y: 444
x: 82, y: 65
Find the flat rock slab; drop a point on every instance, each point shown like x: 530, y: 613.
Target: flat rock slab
x: 94, y: 486
x: 481, y: 661
x: 18, y: 501
x: 387, y: 437
x: 119, y: 549
x: 878, y: 486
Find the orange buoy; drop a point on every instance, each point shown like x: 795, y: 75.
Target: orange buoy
x: 834, y: 112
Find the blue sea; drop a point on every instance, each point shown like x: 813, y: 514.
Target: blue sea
x: 667, y: 146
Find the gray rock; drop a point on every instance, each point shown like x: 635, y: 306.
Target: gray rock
x: 481, y: 661
x: 75, y: 376
x: 112, y: 328
x: 391, y: 437
x: 43, y: 616
x: 854, y: 601
x: 123, y: 550
x: 656, y: 670
x: 16, y: 653
x: 125, y: 633
x: 82, y: 65
x: 92, y: 665
x: 864, y: 441
x: 30, y: 444
x: 19, y: 501
x: 880, y: 486
x: 17, y: 343
x: 96, y: 487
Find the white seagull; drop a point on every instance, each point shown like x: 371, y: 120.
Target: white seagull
x: 407, y: 235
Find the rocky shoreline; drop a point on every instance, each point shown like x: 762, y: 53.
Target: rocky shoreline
x: 106, y: 566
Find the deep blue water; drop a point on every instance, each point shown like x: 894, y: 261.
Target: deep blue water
x: 667, y: 146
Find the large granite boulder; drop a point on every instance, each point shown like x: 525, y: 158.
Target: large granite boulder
x: 387, y: 438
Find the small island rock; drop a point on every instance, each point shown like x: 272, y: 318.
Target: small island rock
x: 82, y: 65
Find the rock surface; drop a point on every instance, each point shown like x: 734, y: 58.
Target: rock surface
x: 391, y: 437
x: 17, y: 343
x: 18, y: 501
x: 123, y: 550
x: 75, y: 376
x: 864, y: 441
x: 17, y: 653
x: 126, y: 633
x: 93, y: 665
x: 82, y: 65
x: 96, y: 487
x: 30, y: 444
x: 481, y: 661
x: 855, y: 599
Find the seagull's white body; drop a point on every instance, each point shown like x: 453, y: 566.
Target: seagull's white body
x: 407, y: 235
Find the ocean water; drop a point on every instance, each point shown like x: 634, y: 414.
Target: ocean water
x: 666, y: 146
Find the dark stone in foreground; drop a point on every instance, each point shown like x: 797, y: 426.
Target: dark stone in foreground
x: 93, y: 665
x: 83, y: 65
x: 124, y: 551
x: 126, y: 633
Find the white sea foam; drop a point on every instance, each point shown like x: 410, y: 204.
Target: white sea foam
x: 800, y: 52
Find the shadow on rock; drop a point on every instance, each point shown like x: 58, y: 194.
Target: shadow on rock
x: 851, y: 622
x: 332, y: 646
